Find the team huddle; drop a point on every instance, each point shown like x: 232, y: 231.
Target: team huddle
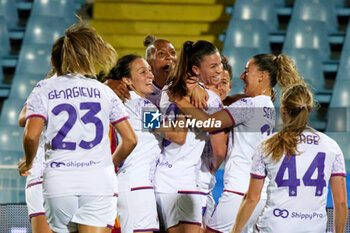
x: 161, y: 179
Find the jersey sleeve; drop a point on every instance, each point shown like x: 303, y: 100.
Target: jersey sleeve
x: 36, y: 102
x: 241, y: 111
x: 338, y: 167
x: 118, y: 112
x: 258, y: 169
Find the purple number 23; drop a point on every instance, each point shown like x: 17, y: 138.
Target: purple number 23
x: 89, y: 117
x: 293, y: 182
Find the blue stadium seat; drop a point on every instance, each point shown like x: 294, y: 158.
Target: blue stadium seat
x: 316, y: 10
x: 346, y: 45
x: 5, y: 48
x: 34, y: 59
x: 257, y: 9
x: 58, y: 8
x: 8, y: 9
x: 23, y: 84
x: 247, y: 33
x: 344, y: 65
x: 238, y: 58
x: 309, y: 66
x: 11, y: 137
x: 44, y: 30
x: 339, y: 3
x: 339, y: 109
x: 10, y: 111
x: 308, y: 34
x: 343, y: 140
x: 279, y: 3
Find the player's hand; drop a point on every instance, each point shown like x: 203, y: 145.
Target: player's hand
x: 213, y: 88
x: 199, y: 97
x: 120, y: 88
x: 23, y: 168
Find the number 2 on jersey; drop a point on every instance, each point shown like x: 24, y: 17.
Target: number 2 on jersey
x: 89, y: 117
x: 293, y: 182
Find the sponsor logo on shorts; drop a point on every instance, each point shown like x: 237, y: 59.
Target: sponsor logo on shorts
x: 73, y: 164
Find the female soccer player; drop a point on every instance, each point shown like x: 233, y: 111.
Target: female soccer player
x: 79, y: 181
x: 178, y: 184
x: 137, y: 210
x: 207, y: 177
x: 161, y: 56
x: 300, y: 162
x: 253, y: 119
x: 34, y: 181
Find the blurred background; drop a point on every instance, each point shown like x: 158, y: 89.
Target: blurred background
x: 315, y: 33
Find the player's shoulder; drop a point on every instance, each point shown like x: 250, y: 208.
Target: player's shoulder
x: 244, y: 102
x: 326, y: 140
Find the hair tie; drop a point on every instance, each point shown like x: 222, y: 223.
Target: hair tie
x: 302, y: 106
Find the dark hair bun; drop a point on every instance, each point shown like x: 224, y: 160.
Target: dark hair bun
x: 149, y: 39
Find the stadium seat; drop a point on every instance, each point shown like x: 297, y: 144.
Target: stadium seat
x: 238, y: 58
x: 58, y: 8
x: 316, y: 10
x: 23, y: 84
x: 257, y: 9
x: 344, y: 66
x: 247, y: 33
x: 11, y: 137
x: 339, y: 3
x: 309, y: 66
x: 279, y: 3
x: 5, y: 48
x: 44, y: 30
x: 34, y: 59
x: 8, y: 9
x: 308, y: 34
x: 10, y: 111
x: 338, y: 117
x: 346, y: 45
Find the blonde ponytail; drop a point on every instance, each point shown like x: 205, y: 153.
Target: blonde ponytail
x: 287, y: 73
x: 83, y: 51
x: 298, y: 103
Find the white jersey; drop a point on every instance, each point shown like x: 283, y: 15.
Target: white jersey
x: 253, y: 120
x: 179, y: 166
x: 77, y: 111
x: 139, y: 166
x: 298, y: 187
x: 155, y: 96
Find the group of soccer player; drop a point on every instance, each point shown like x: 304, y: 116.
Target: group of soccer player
x: 165, y: 175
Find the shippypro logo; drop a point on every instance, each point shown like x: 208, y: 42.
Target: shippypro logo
x: 151, y: 119
x: 280, y: 213
x: 57, y: 164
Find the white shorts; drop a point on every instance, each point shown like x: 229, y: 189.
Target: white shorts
x: 224, y: 215
x: 174, y: 208
x: 34, y: 199
x: 137, y: 211
x: 208, y: 208
x: 65, y: 213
